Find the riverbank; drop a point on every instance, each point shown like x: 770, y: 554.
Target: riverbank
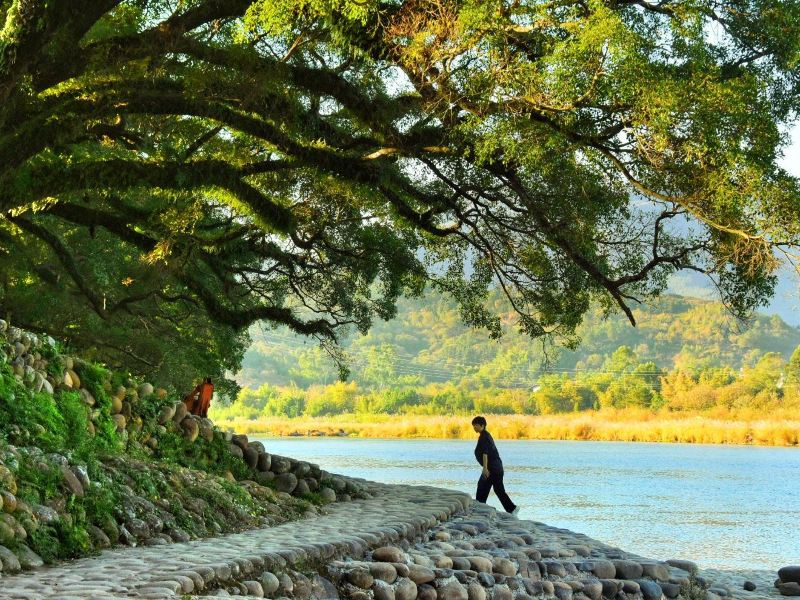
x: 400, y: 543
x: 747, y: 428
x: 95, y: 462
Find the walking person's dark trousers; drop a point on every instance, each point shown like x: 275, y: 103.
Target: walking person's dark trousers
x: 495, y: 480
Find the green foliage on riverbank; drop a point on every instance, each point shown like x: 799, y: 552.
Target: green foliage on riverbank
x: 685, y: 355
x: 427, y: 343
x: 765, y: 386
x: 90, y: 458
x: 54, y: 422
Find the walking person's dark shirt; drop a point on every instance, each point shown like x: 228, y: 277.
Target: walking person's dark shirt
x: 486, y: 446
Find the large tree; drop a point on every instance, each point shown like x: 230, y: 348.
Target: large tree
x: 183, y: 169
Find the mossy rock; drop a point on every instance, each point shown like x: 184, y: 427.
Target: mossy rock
x: 29, y: 524
x: 166, y: 414
x: 98, y: 537
x: 191, y: 428
x: 9, y: 561
x: 111, y: 529
x: 9, y: 502
x: 7, y: 534
x: 7, y: 480
x: 71, y: 379
x: 120, y: 422
x: 16, y: 527
x: 28, y: 559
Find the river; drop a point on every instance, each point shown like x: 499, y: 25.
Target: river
x: 727, y: 507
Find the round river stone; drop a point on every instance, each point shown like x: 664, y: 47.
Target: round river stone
x: 789, y: 573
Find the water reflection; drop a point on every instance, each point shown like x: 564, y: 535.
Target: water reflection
x: 727, y: 507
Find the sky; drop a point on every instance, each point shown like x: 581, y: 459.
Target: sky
x: 791, y: 160
x: 786, y: 303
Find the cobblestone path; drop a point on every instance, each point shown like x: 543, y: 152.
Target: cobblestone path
x: 345, y: 529
x: 392, y: 513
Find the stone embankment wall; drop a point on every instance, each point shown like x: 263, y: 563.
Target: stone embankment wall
x: 90, y: 460
x: 35, y: 363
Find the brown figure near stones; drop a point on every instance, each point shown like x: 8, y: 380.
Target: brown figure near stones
x: 199, y: 399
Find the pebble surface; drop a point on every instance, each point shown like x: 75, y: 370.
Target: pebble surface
x: 735, y: 580
x: 403, y: 542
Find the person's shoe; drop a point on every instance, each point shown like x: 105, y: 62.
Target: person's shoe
x: 515, y: 512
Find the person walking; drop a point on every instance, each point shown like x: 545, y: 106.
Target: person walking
x: 492, y: 474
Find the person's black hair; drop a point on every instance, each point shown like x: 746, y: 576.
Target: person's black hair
x: 479, y: 421
x: 208, y: 379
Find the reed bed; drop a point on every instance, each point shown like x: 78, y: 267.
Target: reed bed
x: 623, y: 426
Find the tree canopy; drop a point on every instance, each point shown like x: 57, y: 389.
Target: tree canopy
x: 178, y: 170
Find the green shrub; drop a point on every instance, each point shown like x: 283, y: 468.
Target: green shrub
x: 94, y: 378
x: 44, y: 541
x: 694, y: 590
x: 211, y: 457
x: 33, y: 417
x: 289, y: 403
x: 75, y: 415
x: 38, y: 483
x: 313, y: 498
x: 54, y: 423
x: 392, y: 400
x: 74, y: 540
x: 55, y: 364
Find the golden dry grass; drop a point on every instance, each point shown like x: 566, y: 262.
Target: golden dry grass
x: 722, y: 427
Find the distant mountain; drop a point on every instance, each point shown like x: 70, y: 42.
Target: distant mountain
x: 428, y: 343
x: 785, y: 303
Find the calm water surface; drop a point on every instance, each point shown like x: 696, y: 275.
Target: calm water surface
x: 724, y: 506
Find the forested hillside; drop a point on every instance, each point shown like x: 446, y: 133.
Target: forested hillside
x: 686, y: 356
x: 427, y: 342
